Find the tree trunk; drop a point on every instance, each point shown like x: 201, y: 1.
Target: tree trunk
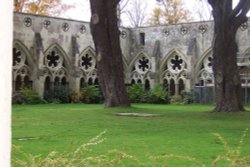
x: 227, y: 79
x: 106, y: 35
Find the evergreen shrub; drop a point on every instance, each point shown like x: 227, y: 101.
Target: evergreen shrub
x: 27, y: 96
x: 91, y: 94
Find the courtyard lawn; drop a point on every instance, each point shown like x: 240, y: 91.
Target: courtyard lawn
x: 184, y: 130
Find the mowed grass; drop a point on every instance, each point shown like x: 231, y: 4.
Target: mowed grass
x: 185, y: 130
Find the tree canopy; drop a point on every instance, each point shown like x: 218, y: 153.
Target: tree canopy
x: 169, y: 12
x: 41, y: 7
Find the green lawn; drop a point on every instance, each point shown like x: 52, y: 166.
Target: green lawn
x: 185, y: 130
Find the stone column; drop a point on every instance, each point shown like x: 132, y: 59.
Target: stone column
x: 177, y: 89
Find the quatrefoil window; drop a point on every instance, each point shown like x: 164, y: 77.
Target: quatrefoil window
x: 17, y: 56
x: 27, y: 21
x: 143, y: 64
x: 65, y: 27
x: 184, y: 30
x: 46, y: 23
x: 166, y: 32
x: 53, y: 59
x: 176, y: 63
x: 123, y: 34
x: 203, y: 28
x: 82, y: 29
x: 86, y: 61
x: 244, y: 26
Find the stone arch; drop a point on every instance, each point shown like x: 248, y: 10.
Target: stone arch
x: 244, y: 58
x: 172, y: 89
x: 87, y: 59
x: 22, y: 77
x: 18, y: 83
x: 60, y: 50
x: 91, y: 77
x: 47, y: 85
x: 167, y: 75
x: 181, y: 85
x: 22, y: 71
x: 204, y: 78
x: 25, y: 50
x: 168, y: 56
x: 60, y: 77
x: 147, y: 84
x: 199, y: 63
x: 173, y: 69
x: 139, y: 70
x: 247, y: 51
x: 135, y: 77
x: 125, y: 64
x: 137, y: 57
x: 83, y: 79
x: 203, y: 69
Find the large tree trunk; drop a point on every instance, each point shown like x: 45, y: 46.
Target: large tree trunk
x: 106, y: 35
x: 227, y: 79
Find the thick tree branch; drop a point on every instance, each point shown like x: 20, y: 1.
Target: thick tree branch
x: 239, y: 7
x: 242, y: 9
x: 212, y: 3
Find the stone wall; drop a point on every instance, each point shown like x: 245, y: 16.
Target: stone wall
x: 49, y: 51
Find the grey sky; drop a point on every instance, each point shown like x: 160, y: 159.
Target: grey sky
x: 82, y: 11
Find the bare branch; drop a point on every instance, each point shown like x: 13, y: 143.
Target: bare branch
x: 123, y: 5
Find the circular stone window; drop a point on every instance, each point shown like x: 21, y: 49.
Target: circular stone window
x: 18, y: 58
x: 87, y: 62
x: 176, y: 64
x: 142, y: 65
x: 53, y: 60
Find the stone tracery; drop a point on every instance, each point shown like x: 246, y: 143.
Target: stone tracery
x: 141, y: 70
x: 205, y: 75
x: 21, y: 69
x: 87, y: 64
x: 174, y: 73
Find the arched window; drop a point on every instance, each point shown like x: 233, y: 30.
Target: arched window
x: 82, y: 83
x: 18, y: 83
x: 132, y: 81
x: 47, y: 84
x: 56, y: 82
x: 181, y: 86
x: 172, y: 87
x: 96, y: 81
x: 64, y: 81
x: 27, y: 82
x: 139, y: 81
x: 147, y: 85
x: 165, y: 84
x: 90, y: 81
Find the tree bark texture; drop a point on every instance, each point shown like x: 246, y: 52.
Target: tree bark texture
x: 106, y: 35
x: 227, y: 79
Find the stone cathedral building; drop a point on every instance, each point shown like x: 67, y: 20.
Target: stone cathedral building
x: 48, y: 51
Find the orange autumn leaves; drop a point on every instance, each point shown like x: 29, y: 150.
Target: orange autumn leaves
x: 42, y: 7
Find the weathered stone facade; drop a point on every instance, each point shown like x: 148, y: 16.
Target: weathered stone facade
x: 49, y: 51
